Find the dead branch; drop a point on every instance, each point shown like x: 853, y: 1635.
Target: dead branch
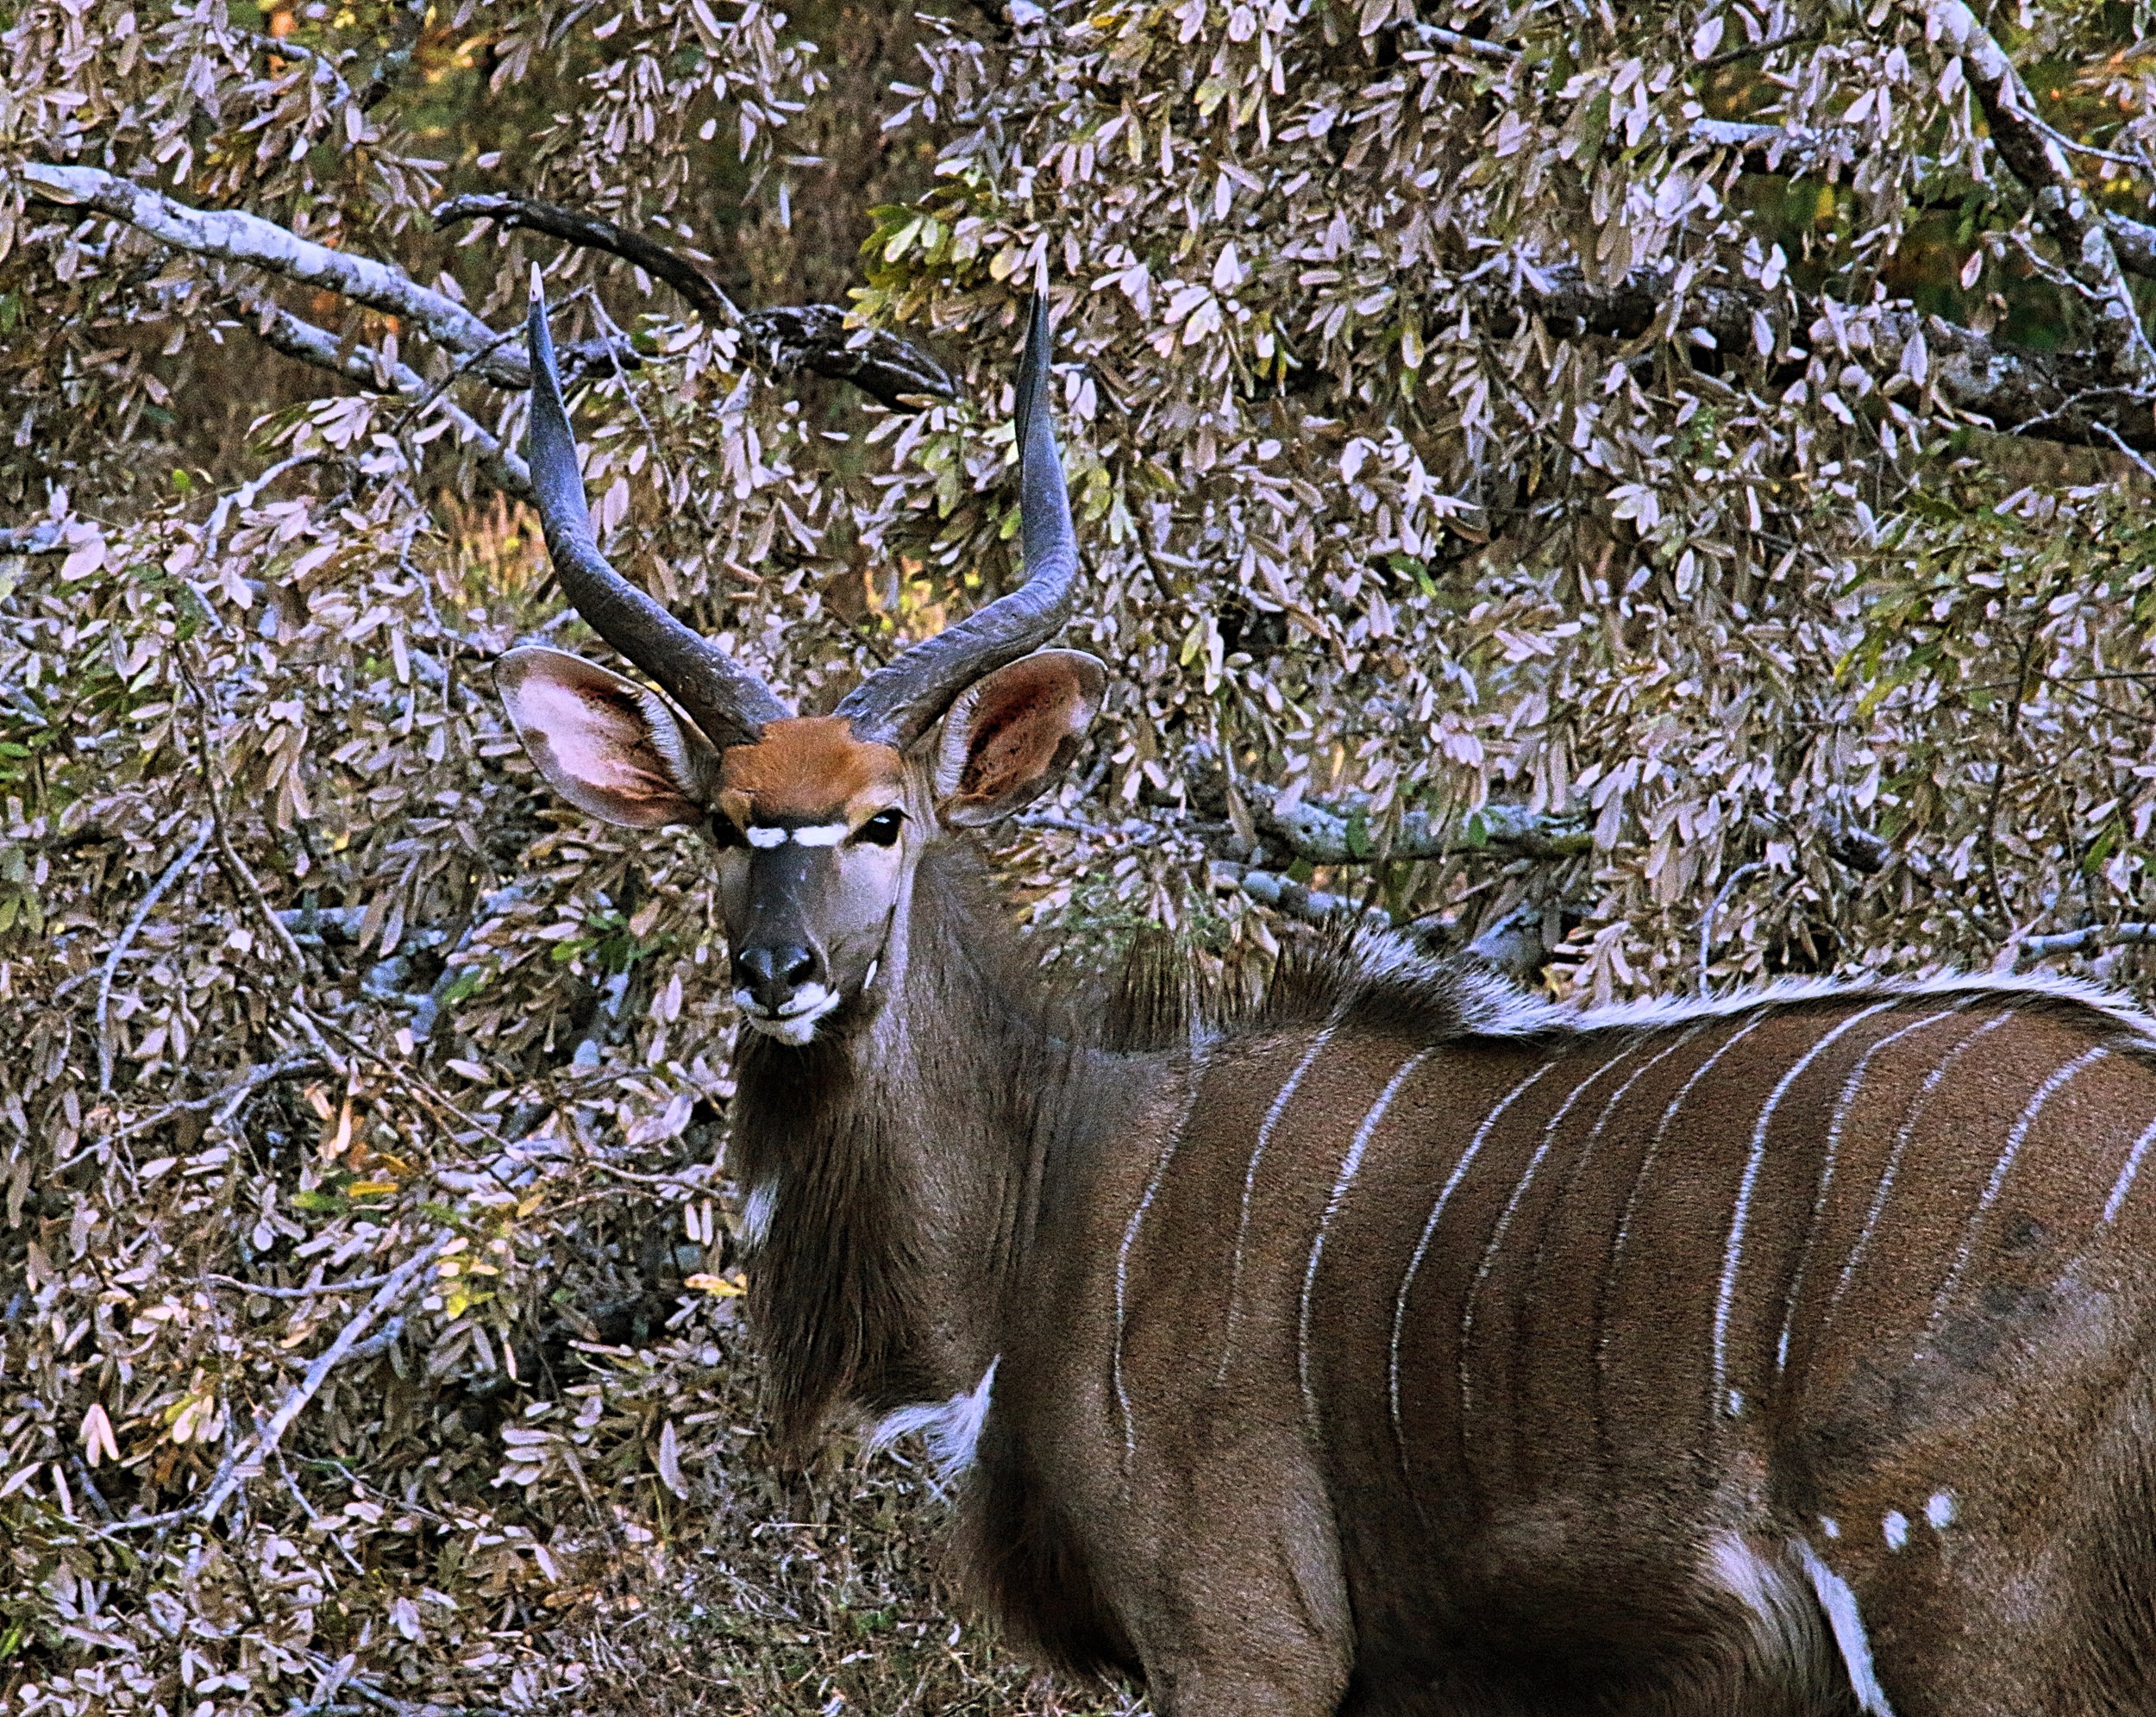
x: 314, y: 1290
x: 811, y: 338
x: 1327, y: 833
x: 280, y: 328
x: 1298, y: 900
x: 222, y: 1104
x: 2036, y: 948
x: 233, y: 235
x: 397, y: 1287
x: 2062, y: 396
x: 125, y: 939
x: 2026, y: 147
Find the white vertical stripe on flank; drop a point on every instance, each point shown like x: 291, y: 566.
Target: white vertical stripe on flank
x: 1129, y: 1239
x: 1348, y: 1165
x: 1661, y: 1131
x: 1832, y: 1157
x: 1902, y: 1137
x: 2057, y: 1082
x: 2125, y: 1182
x: 1273, y: 1114
x: 1733, y: 1254
x: 1504, y: 1221
x: 1422, y: 1247
x: 1609, y: 1108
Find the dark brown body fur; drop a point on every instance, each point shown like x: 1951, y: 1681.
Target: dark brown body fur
x: 1565, y: 1517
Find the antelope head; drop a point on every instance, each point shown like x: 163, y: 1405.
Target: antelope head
x: 818, y: 821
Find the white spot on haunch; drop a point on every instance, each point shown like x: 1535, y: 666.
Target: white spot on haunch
x: 1830, y: 1525
x: 868, y: 980
x: 1842, y: 1616
x: 951, y: 1428
x: 1349, y: 1164
x: 1940, y: 1511
x: 761, y: 836
x: 756, y: 1212
x: 1895, y: 1529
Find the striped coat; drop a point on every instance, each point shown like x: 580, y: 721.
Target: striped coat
x: 1785, y: 1353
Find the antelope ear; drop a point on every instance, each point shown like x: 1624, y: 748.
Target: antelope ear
x: 605, y: 743
x: 1008, y: 734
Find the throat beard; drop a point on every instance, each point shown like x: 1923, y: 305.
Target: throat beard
x: 835, y: 1290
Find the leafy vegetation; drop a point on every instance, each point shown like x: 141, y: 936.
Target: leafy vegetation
x: 369, y: 1336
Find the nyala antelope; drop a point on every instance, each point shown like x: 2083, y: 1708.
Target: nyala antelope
x: 1397, y: 1342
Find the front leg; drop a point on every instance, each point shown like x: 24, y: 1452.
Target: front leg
x: 1246, y: 1609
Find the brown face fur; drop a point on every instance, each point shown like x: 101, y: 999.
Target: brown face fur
x: 817, y: 827
x: 813, y: 855
x: 810, y: 769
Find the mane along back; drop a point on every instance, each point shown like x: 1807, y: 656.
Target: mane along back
x: 1379, y: 981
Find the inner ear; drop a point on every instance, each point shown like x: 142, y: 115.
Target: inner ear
x: 1009, y: 734
x: 607, y: 744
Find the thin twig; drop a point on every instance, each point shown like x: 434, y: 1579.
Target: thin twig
x: 2119, y: 441
x: 1730, y: 56
x: 243, y: 878
x: 359, y: 1285
x: 239, y: 499
x: 1713, y: 906
x: 232, y: 1095
x: 147, y: 904
x: 400, y: 1282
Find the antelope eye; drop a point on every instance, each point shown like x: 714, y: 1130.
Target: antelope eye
x: 882, y: 829
x: 723, y: 831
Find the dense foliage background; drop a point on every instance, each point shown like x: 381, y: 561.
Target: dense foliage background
x: 1653, y: 492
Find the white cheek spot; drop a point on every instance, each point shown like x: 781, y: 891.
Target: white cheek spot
x: 1941, y: 1511
x: 820, y: 835
x: 951, y: 1428
x: 1896, y: 1528
x: 761, y: 836
x: 756, y: 1212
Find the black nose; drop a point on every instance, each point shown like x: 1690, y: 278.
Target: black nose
x: 773, y: 974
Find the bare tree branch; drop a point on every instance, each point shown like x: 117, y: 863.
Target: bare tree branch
x: 2061, y: 396
x: 813, y: 338
x: 280, y: 328
x: 2030, y: 153
x: 1329, y: 833
x: 233, y: 235
x: 2036, y: 948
